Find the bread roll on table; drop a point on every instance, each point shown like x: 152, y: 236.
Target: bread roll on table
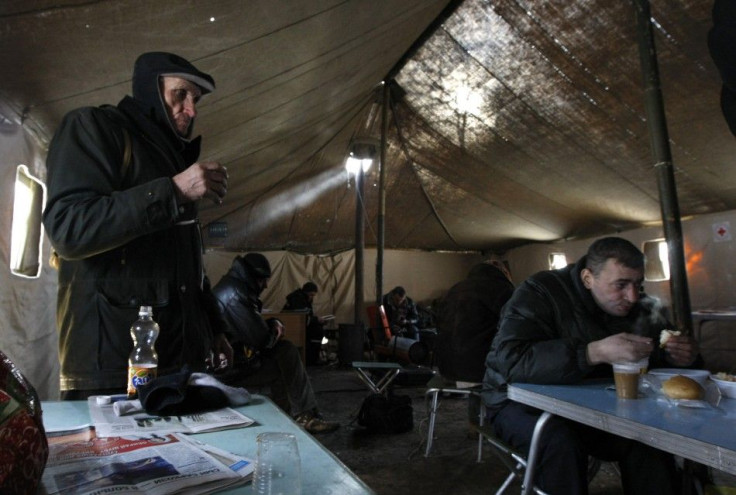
x: 682, y: 387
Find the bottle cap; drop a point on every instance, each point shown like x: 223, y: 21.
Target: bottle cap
x: 145, y: 310
x: 103, y: 399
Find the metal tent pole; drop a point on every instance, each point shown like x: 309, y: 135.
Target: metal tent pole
x: 657, y: 123
x: 382, y: 195
x: 359, y: 247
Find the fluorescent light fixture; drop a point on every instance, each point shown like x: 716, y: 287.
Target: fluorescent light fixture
x: 362, y: 153
x: 352, y: 164
x: 27, y: 231
x: 557, y: 261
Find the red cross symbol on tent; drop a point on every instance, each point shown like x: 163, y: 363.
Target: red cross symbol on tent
x: 722, y: 231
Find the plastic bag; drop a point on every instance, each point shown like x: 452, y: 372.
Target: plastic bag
x: 24, y: 449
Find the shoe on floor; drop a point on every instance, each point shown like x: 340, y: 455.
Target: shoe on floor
x: 313, y: 423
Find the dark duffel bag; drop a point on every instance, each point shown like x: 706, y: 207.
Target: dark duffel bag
x: 386, y: 414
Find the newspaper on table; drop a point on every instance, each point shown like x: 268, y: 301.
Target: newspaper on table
x: 154, y: 465
x: 108, y: 424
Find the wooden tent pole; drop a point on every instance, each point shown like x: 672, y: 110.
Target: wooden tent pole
x: 657, y: 123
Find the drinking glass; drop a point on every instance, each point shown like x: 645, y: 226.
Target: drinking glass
x: 278, y: 466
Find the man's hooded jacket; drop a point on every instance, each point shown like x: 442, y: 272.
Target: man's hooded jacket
x: 237, y: 294
x: 467, y: 320
x: 121, y: 237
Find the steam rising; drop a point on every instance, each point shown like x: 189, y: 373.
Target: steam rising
x: 652, y: 315
x: 299, y: 196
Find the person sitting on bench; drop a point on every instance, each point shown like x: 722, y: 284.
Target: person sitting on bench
x: 262, y: 357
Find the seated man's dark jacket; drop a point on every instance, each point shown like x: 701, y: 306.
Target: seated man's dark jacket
x: 392, y: 312
x: 545, y: 328
x: 237, y: 294
x: 467, y: 319
x: 299, y: 300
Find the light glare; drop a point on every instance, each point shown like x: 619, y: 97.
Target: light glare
x: 352, y: 164
x: 557, y: 261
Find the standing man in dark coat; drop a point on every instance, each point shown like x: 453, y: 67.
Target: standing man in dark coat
x: 302, y: 299
x: 563, y: 326
x: 467, y: 320
x: 123, y: 187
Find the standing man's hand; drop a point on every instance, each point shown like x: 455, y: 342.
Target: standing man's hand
x: 617, y: 348
x: 222, y: 351
x: 201, y: 180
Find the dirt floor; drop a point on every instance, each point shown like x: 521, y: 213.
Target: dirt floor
x: 395, y: 464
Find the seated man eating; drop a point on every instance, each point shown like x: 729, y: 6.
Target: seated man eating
x: 563, y: 326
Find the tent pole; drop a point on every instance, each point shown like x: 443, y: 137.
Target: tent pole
x: 359, y: 247
x: 657, y: 123
x: 382, y: 194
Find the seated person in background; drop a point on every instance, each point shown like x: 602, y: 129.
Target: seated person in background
x: 563, y: 326
x: 467, y: 319
x: 261, y: 356
x: 401, y: 313
x: 301, y: 299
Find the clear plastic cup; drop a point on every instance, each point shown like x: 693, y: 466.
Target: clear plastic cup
x: 626, y: 375
x: 278, y: 465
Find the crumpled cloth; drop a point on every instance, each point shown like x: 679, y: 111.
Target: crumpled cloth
x: 183, y: 393
x: 123, y: 407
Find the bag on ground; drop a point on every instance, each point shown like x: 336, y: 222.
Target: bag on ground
x: 386, y: 414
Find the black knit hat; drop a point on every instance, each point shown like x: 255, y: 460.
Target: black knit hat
x: 258, y: 265
x: 310, y: 287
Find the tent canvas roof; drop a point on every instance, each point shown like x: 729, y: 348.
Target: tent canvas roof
x: 514, y: 121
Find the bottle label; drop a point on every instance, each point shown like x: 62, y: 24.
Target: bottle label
x: 139, y: 375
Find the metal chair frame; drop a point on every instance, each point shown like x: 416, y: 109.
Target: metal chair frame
x: 514, y: 461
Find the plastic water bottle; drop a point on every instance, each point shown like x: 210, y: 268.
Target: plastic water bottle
x: 143, y: 360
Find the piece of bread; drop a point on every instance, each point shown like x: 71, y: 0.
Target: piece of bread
x: 682, y: 387
x: 665, y: 335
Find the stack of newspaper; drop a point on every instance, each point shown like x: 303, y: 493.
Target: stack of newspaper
x: 141, y: 453
x: 155, y: 465
x: 107, y: 423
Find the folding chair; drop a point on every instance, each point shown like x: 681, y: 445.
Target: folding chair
x: 438, y: 385
x: 380, y: 332
x: 514, y: 461
x: 385, y: 344
x: 517, y: 463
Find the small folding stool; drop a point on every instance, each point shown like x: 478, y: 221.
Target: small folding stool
x: 386, y: 371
